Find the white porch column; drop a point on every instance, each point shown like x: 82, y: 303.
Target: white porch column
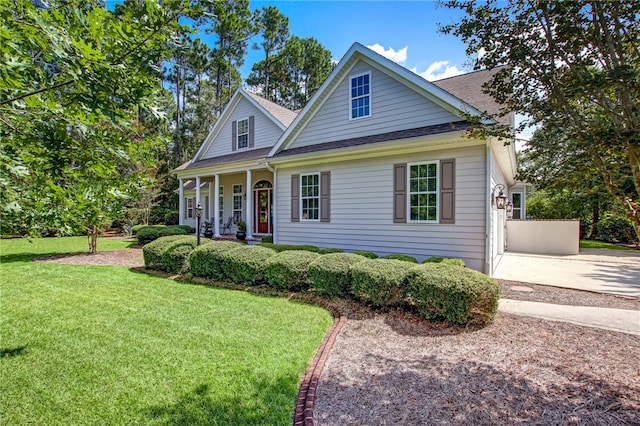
x: 181, y: 202
x: 216, y: 205
x: 249, y: 206
x: 210, y: 206
x: 195, y: 204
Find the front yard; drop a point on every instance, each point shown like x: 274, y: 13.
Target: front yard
x: 107, y: 345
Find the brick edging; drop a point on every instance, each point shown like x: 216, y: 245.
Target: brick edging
x: 303, y: 415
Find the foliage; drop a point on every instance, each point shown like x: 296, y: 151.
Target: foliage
x: 330, y: 274
x: 459, y: 295
x: 591, y: 244
x: 445, y: 260
x: 207, y: 260
x: 242, y: 226
x: 616, y: 229
x: 330, y: 250
x: 367, y: 254
x: 128, y: 348
x: 573, y: 67
x: 152, y: 252
x: 267, y: 239
x: 404, y: 257
x: 380, y: 281
x: 245, y: 264
x: 287, y: 247
x: 288, y: 270
x: 136, y: 228
x: 149, y: 233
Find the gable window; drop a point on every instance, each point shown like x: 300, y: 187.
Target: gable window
x: 243, y: 133
x: 423, y: 192
x: 189, y: 207
x: 237, y: 202
x: 310, y: 196
x: 361, y: 96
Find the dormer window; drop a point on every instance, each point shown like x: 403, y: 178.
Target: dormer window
x: 361, y: 96
x: 243, y: 134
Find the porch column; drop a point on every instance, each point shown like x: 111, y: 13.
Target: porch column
x: 216, y: 205
x: 211, y: 201
x: 195, y: 204
x: 249, y: 206
x: 181, y: 202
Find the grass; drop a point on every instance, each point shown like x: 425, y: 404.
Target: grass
x: 601, y: 245
x: 107, y: 345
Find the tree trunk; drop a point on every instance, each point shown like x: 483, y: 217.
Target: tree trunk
x: 595, y: 218
x: 92, y: 236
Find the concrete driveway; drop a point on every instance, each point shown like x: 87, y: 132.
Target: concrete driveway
x: 605, y: 271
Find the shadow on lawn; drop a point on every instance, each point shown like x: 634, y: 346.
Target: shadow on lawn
x: 435, y: 391
x: 12, y: 352
x: 28, y: 257
x: 201, y: 407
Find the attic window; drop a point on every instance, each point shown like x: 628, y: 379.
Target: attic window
x: 243, y: 133
x: 361, y: 96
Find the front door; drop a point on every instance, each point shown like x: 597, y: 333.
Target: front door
x: 263, y: 198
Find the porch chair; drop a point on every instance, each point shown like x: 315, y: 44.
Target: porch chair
x: 226, y: 227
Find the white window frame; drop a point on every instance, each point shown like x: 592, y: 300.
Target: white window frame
x: 221, y: 203
x: 238, y: 134
x: 303, y: 198
x: 514, y: 208
x: 352, y: 98
x: 436, y: 192
x: 189, y: 212
x: 237, y: 213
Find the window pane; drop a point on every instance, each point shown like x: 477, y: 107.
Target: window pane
x: 432, y: 185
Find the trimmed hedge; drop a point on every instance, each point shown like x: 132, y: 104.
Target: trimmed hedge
x: 136, y: 228
x: 404, y: 257
x: 330, y: 250
x: 330, y: 274
x: 367, y: 254
x: 245, y: 264
x: 206, y: 260
x: 152, y: 252
x: 380, y: 281
x: 459, y: 295
x: 147, y: 234
x: 175, y: 258
x: 289, y: 247
x: 288, y: 270
x: 445, y: 260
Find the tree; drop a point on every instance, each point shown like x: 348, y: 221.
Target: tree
x: 572, y: 66
x: 79, y: 105
x: 274, y: 29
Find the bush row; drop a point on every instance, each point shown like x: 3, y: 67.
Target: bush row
x: 146, y: 234
x: 439, y: 288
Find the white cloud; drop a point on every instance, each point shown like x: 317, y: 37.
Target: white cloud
x: 438, y: 70
x: 399, y: 56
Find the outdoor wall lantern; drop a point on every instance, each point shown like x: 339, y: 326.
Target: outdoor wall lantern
x: 198, y: 216
x: 500, y: 199
x: 509, y: 206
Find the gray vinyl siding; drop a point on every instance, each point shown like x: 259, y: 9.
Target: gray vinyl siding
x: 394, y: 106
x: 362, y: 210
x: 266, y: 131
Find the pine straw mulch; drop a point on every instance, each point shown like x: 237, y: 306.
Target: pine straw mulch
x: 396, y: 368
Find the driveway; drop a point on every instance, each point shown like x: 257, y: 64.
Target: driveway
x: 605, y: 271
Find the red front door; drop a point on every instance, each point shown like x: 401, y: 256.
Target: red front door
x: 263, y: 211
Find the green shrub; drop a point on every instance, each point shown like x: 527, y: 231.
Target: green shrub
x: 459, y: 295
x: 404, y: 257
x: 288, y: 270
x: 136, y: 228
x: 189, y: 229
x: 330, y: 274
x: 615, y: 229
x: 445, y: 260
x: 146, y: 234
x: 172, y: 217
x: 380, y: 281
x: 330, y: 250
x: 367, y: 254
x: 206, y: 260
x: 152, y: 252
x: 174, y: 259
x: 267, y: 239
x: 174, y: 230
x: 289, y: 247
x: 245, y: 264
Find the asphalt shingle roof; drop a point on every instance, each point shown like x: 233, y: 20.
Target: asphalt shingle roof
x: 280, y: 113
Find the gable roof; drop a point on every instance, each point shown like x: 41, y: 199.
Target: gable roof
x: 279, y: 115
x: 359, y: 52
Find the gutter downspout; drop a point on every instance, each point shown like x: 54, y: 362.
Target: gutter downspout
x: 274, y: 198
x: 488, y: 263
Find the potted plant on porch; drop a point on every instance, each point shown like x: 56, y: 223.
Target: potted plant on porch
x: 208, y: 229
x: 241, y: 232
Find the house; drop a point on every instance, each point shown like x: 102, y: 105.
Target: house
x: 378, y: 160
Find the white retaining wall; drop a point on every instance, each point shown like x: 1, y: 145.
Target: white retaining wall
x: 543, y: 236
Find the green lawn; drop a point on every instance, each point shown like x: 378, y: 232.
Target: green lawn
x: 601, y: 245
x: 106, y: 345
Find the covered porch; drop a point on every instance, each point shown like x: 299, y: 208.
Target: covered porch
x: 228, y: 197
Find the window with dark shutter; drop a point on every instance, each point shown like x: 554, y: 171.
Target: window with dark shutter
x: 325, y: 197
x: 399, y: 193
x: 447, y: 191
x: 251, y: 131
x: 295, y: 198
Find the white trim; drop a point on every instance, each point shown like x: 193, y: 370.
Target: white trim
x: 302, y: 219
x: 186, y: 205
x: 233, y: 204
x: 238, y: 134
x: 351, y: 77
x: 438, y: 201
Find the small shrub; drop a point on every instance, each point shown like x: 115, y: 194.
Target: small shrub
x: 206, y: 260
x: 245, y: 264
x: 267, y: 238
x: 459, y: 295
x: 330, y: 250
x: 189, y: 229
x: 367, y: 254
x: 289, y: 247
x: 148, y: 233
x: 445, y: 260
x: 380, y: 281
x: 152, y: 252
x: 174, y: 230
x: 615, y: 229
x: 288, y: 270
x: 171, y: 217
x: 174, y: 259
x: 136, y: 228
x: 330, y: 274
x: 404, y: 257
